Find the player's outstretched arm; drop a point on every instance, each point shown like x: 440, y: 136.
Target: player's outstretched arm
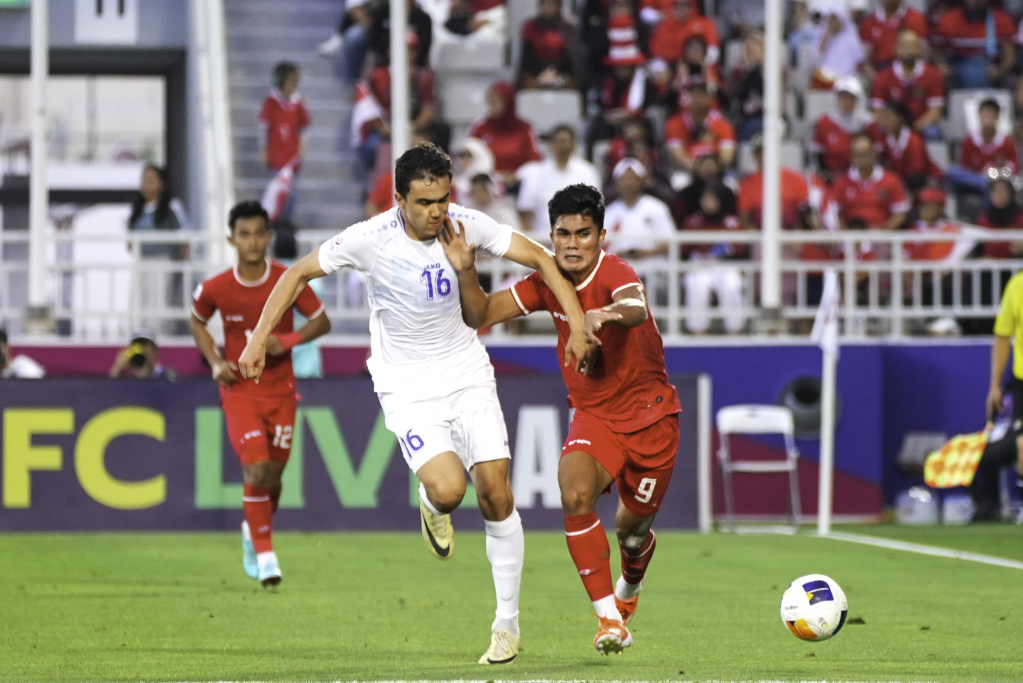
x: 479, y: 309
x: 284, y: 293
x: 223, y: 371
x: 579, y: 348
x: 628, y: 309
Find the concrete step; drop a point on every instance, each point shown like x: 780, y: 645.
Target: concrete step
x: 287, y: 15
x: 262, y: 33
x: 250, y: 166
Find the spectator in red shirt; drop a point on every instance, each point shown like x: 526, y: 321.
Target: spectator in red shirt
x: 984, y: 151
x: 904, y: 151
x: 868, y: 193
x: 974, y: 42
x: 794, y: 193
x: 930, y: 210
x: 879, y: 29
x: 550, y: 48
x: 698, y: 124
x: 869, y: 197
x: 833, y: 131
x: 676, y: 27
x: 928, y: 283
x: 283, y: 118
x: 510, y: 138
x: 915, y: 83
x: 795, y: 208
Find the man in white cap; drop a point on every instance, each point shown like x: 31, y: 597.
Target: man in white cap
x: 834, y: 130
x: 639, y: 226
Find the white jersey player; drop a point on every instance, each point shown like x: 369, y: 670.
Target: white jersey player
x: 431, y: 374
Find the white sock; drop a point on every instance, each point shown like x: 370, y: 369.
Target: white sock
x: 606, y: 608
x: 625, y: 590
x: 268, y: 556
x: 426, y: 500
x: 505, y: 550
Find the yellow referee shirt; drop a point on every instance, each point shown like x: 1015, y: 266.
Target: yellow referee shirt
x: 1009, y: 322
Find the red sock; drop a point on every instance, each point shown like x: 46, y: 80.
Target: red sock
x: 275, y: 497
x: 634, y: 563
x: 587, y: 544
x: 258, y: 513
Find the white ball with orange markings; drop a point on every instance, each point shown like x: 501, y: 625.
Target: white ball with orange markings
x: 814, y: 607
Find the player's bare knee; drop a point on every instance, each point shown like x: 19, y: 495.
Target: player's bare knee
x: 496, y: 502
x: 577, y: 500
x: 446, y: 496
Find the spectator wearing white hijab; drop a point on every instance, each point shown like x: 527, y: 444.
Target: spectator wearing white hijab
x: 470, y: 158
x: 837, y: 50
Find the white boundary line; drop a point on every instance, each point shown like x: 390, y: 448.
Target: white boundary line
x: 925, y: 549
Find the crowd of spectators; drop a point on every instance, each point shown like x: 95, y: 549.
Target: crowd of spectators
x: 674, y: 90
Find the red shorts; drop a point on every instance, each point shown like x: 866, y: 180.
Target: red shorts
x: 260, y: 428
x: 640, y: 462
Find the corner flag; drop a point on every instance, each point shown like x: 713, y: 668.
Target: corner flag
x: 825, y: 325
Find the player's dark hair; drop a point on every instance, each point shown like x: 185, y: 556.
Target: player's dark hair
x: 282, y: 70
x: 3, y: 336
x: 990, y: 103
x: 425, y: 161
x: 247, y: 209
x: 577, y: 200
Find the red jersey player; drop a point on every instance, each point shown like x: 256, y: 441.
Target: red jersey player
x: 260, y: 417
x: 625, y: 428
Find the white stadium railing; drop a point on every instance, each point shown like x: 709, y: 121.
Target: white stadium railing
x: 100, y: 299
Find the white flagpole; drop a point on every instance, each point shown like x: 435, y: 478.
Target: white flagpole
x: 827, y: 464
x: 825, y: 333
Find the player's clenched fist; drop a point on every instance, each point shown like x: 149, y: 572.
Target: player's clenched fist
x: 252, y: 360
x: 225, y: 373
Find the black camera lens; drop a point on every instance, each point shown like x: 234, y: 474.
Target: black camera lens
x: 137, y: 360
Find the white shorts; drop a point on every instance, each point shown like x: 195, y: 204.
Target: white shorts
x: 468, y: 422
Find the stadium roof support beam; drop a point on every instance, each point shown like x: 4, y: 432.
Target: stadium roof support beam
x: 770, y: 283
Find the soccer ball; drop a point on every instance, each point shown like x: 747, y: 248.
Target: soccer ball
x: 813, y: 607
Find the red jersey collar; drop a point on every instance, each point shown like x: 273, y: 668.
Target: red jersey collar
x: 253, y: 283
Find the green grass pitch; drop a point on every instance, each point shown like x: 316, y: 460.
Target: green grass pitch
x: 376, y: 606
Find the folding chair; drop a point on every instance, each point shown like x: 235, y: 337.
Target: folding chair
x: 757, y: 419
